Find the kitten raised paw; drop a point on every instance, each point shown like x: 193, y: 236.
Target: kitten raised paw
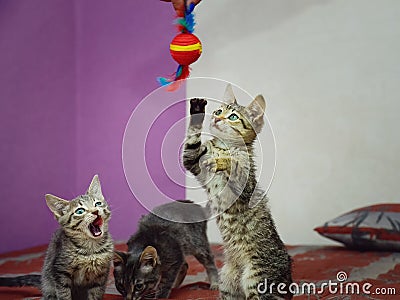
x: 210, y: 164
x: 197, y: 106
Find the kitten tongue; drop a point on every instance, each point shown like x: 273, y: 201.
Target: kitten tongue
x: 98, y: 221
x: 95, y: 226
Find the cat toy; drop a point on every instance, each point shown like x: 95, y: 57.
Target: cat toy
x: 185, y: 48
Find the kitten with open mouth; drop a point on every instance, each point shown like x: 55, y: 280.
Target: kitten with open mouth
x: 79, y: 255
x: 85, y: 256
x: 95, y: 227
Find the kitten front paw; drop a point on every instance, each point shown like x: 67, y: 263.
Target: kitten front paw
x: 197, y: 106
x: 209, y: 164
x: 214, y: 286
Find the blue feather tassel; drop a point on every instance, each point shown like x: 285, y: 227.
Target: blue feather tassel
x: 187, y: 22
x: 189, y: 18
x: 163, y: 81
x: 166, y: 81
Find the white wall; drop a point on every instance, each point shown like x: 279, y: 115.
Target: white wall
x: 330, y: 71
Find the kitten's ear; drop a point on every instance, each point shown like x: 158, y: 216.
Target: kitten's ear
x: 256, y: 111
x: 119, y: 259
x: 95, y: 187
x: 56, y: 205
x: 229, y: 96
x: 149, y: 258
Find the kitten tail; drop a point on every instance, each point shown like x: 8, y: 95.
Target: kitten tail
x: 25, y: 280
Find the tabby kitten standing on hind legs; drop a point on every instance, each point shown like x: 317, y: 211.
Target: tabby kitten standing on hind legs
x: 225, y: 167
x: 79, y: 255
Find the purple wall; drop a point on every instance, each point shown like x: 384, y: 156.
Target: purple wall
x: 72, y: 72
x: 37, y: 115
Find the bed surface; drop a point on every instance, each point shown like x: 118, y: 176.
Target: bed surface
x: 311, y: 264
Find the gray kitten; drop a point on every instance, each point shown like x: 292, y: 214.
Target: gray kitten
x: 78, y: 258
x: 225, y: 167
x: 79, y: 255
x: 155, y: 261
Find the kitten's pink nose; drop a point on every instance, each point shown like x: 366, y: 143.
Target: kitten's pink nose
x: 96, y: 212
x: 216, y: 120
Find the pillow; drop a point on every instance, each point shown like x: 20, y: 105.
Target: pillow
x: 375, y: 227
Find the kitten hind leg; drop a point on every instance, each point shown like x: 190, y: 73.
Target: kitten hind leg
x: 230, y: 288
x: 181, y: 275
x: 250, y: 282
x: 206, y: 258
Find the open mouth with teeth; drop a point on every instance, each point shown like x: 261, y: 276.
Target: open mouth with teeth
x: 95, y: 227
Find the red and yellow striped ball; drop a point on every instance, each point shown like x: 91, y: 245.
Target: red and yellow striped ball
x: 185, y: 48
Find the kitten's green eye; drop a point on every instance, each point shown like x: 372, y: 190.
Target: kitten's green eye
x: 139, y: 287
x: 98, y: 204
x: 233, y: 117
x: 218, y: 112
x: 80, y: 211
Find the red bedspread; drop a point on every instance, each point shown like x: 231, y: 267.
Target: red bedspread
x: 314, y: 268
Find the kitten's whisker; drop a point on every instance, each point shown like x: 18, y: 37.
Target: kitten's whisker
x: 115, y: 208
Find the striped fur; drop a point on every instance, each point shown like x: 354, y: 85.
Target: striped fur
x: 78, y: 258
x: 225, y: 167
x: 155, y: 261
